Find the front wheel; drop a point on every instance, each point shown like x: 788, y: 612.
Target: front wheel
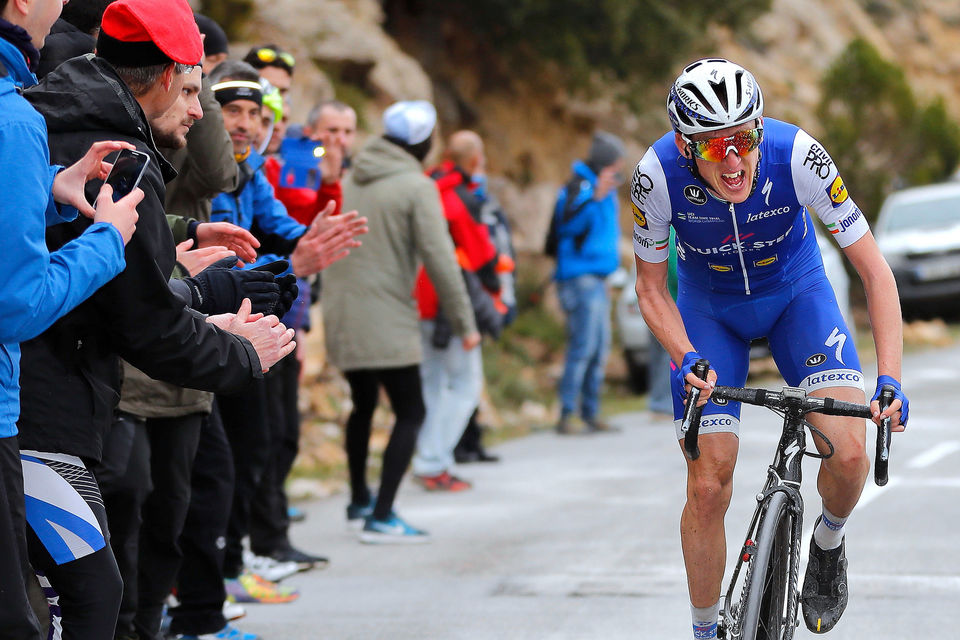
x: 769, y: 605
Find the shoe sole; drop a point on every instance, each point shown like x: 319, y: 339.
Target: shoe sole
x: 368, y: 537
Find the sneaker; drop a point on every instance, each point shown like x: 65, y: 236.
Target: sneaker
x: 304, y: 561
x: 358, y: 513
x: 250, y: 587
x: 233, y: 611
x: 595, y: 425
x: 442, y: 482
x: 824, y: 595
x: 296, y: 515
x: 227, y: 633
x: 268, y: 568
x: 564, y: 428
x: 391, y: 531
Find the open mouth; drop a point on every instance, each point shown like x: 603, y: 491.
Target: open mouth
x: 733, y: 180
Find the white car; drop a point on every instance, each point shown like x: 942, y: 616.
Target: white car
x: 636, y: 339
x: 918, y: 231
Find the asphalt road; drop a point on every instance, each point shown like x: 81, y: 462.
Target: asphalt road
x: 577, y: 537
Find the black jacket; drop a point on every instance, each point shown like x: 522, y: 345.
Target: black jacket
x: 64, y: 42
x: 70, y: 378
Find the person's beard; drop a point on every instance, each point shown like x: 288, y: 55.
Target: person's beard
x: 169, y: 139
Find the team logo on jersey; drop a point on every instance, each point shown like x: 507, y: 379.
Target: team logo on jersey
x: 722, y: 268
x: 642, y: 186
x: 846, y: 223
x: 695, y: 194
x: 837, y: 192
x: 766, y: 261
x: 818, y: 161
x: 767, y: 188
x: 638, y: 216
x: 816, y: 360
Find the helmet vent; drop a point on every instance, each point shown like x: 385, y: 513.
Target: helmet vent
x: 700, y: 97
x: 719, y: 89
x: 739, y: 80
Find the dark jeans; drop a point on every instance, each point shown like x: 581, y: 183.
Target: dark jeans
x: 269, y: 520
x: 406, y: 397
x: 173, y: 447
x: 200, y: 583
x: 123, y: 474
x: 17, y: 620
x: 248, y: 432
x: 89, y: 588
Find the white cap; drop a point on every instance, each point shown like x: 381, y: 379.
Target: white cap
x: 410, y: 121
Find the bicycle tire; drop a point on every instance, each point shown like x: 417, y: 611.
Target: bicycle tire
x: 767, y: 599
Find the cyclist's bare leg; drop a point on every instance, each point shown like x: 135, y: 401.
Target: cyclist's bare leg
x: 709, y: 488
x: 842, y: 476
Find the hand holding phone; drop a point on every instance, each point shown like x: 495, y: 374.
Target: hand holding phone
x: 128, y: 169
x: 121, y: 213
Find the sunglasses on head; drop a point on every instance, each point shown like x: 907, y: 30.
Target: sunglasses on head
x: 716, y: 149
x: 268, y: 56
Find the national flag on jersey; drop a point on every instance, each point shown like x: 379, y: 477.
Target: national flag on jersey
x: 833, y: 228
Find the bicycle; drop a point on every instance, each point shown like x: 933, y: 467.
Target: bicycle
x: 764, y: 605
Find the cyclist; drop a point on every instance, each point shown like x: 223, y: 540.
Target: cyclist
x: 739, y: 191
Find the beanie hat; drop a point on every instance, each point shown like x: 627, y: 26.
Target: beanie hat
x: 410, y: 121
x: 605, y: 149
x: 143, y: 33
x: 216, y: 40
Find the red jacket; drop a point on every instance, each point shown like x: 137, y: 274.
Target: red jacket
x: 471, y: 238
x: 303, y: 205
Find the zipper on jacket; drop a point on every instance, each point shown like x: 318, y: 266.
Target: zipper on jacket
x: 743, y: 265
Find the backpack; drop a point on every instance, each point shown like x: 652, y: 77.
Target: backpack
x: 562, y: 214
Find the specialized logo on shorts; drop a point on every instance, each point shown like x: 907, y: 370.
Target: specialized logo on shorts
x: 837, y: 192
x: 722, y: 268
x: 695, y: 194
x: 839, y: 339
x: 638, y: 216
x: 766, y: 261
x: 816, y: 360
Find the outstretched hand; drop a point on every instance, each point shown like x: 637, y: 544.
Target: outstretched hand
x: 224, y: 234
x: 328, y: 239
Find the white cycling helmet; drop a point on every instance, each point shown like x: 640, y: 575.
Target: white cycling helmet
x: 712, y: 94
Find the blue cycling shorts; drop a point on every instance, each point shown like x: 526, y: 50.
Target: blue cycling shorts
x: 808, y: 337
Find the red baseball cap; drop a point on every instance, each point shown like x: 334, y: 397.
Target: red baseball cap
x: 142, y: 33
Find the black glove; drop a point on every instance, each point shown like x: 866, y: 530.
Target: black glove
x: 220, y: 289
x: 288, y: 289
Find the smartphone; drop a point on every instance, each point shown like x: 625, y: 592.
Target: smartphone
x: 301, y: 163
x: 128, y: 169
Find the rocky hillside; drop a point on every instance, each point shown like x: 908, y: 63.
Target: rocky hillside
x: 534, y: 127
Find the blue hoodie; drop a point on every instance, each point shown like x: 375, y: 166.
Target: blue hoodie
x: 36, y: 287
x: 588, y: 241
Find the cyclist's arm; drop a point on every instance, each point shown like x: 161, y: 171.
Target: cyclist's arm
x: 659, y: 310
x: 883, y: 306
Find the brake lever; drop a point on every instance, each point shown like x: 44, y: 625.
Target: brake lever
x: 690, y: 424
x: 882, y: 460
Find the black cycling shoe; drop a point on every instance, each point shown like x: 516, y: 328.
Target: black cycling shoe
x: 824, y: 596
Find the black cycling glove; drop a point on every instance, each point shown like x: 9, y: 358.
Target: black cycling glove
x: 220, y: 288
x: 287, y: 285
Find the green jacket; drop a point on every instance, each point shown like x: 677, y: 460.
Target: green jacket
x: 204, y: 169
x: 370, y: 317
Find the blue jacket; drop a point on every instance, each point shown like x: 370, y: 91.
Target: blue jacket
x: 37, y: 287
x: 254, y: 207
x: 588, y: 231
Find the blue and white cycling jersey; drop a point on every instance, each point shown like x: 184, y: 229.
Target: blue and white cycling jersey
x: 753, y: 269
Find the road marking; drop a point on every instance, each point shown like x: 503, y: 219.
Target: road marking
x: 933, y: 374
x: 933, y: 455
x: 871, y: 491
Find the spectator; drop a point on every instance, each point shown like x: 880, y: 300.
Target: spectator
x: 253, y: 205
x: 273, y: 64
x: 38, y: 287
x: 215, y: 43
x: 73, y: 34
x: 135, y: 315
x: 333, y: 123
x: 453, y: 376
x: 374, y: 337
x: 588, y: 231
